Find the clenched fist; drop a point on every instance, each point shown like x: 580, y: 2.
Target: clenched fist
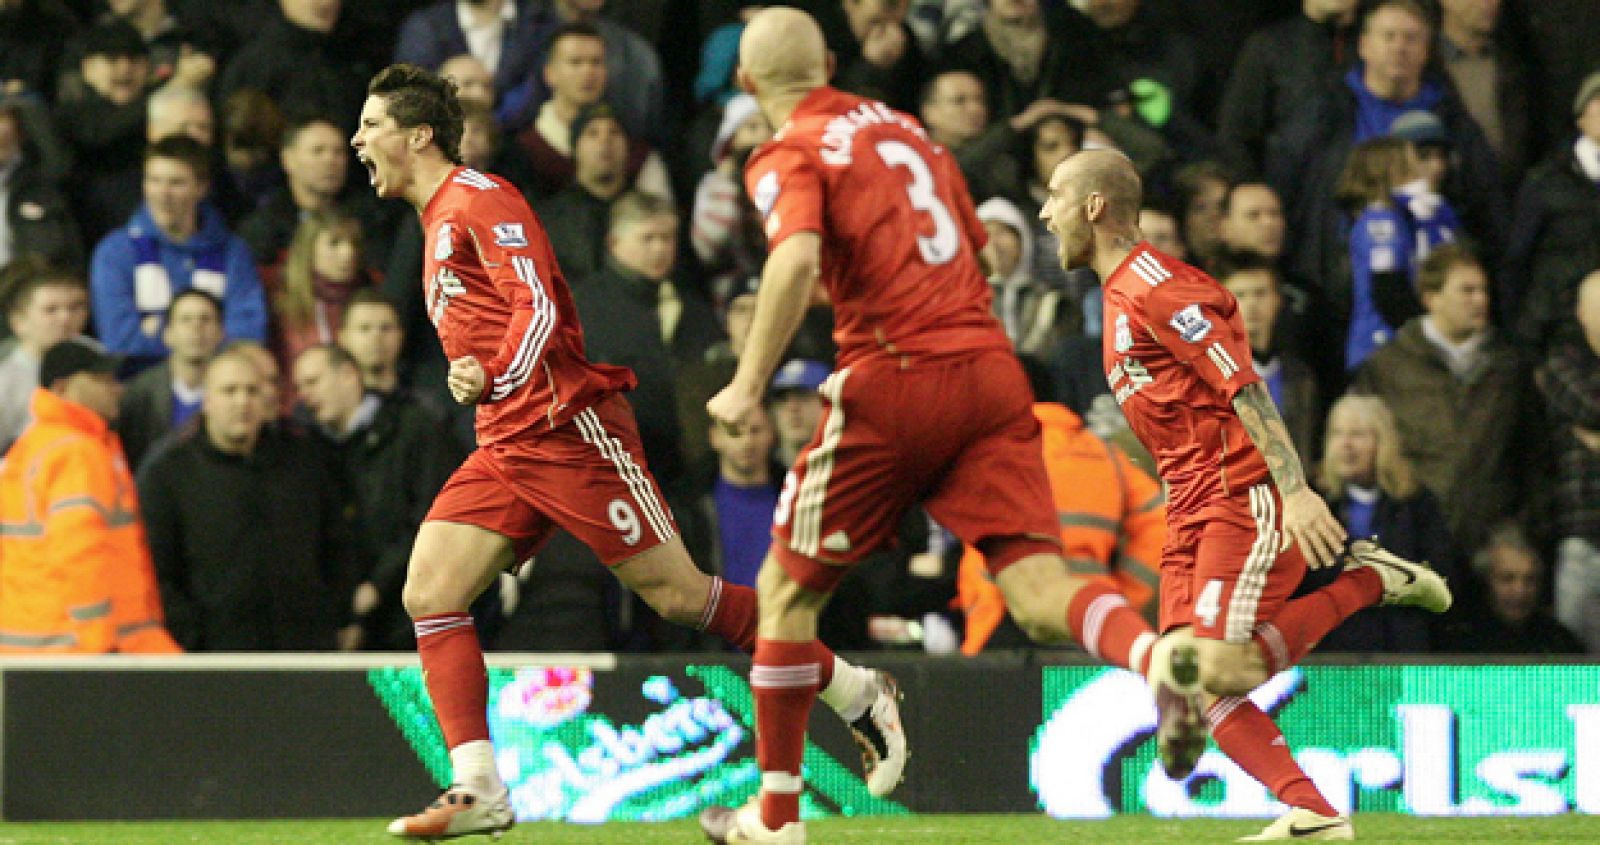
x: 466, y: 380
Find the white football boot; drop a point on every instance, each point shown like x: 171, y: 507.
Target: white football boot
x: 1404, y: 583
x: 1300, y: 823
x: 725, y: 825
x: 458, y: 813
x: 882, y: 738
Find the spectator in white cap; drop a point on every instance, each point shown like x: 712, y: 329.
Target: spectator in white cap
x: 725, y: 229
x: 795, y: 403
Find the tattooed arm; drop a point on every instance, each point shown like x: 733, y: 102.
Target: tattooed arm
x: 1306, y: 518
x: 1266, y: 429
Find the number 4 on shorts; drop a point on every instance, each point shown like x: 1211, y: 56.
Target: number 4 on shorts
x: 1210, y: 604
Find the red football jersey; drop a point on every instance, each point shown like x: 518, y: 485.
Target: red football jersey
x: 493, y: 291
x: 1175, y: 354
x: 899, y: 233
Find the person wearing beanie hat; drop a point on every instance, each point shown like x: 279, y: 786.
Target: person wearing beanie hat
x: 1432, y: 214
x: 102, y: 121
x: 725, y: 228
x: 1555, y: 231
x: 605, y: 164
x: 115, y: 62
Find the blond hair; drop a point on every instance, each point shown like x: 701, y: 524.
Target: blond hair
x: 297, y: 298
x: 1396, y: 478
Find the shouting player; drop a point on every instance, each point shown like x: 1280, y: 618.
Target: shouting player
x: 557, y: 447
x: 1243, y: 523
x: 928, y: 403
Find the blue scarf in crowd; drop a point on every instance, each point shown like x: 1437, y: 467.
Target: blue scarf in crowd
x: 152, y: 284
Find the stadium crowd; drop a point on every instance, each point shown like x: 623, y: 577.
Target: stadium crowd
x: 1404, y: 198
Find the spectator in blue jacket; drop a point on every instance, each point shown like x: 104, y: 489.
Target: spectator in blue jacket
x: 1434, y: 217
x: 173, y: 243
x: 1382, y: 243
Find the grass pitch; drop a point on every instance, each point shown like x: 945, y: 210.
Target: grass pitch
x: 977, y: 829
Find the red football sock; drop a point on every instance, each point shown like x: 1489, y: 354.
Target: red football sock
x: 824, y: 657
x: 785, y: 680
x: 1103, y: 623
x: 452, y: 667
x: 730, y: 613
x: 1249, y: 738
x: 1303, y: 622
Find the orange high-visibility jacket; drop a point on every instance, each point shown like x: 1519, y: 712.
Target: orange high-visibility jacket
x: 75, y: 569
x: 1113, y: 523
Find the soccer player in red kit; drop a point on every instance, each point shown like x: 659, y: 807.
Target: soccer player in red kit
x: 1242, y: 521
x: 557, y: 447
x: 928, y: 403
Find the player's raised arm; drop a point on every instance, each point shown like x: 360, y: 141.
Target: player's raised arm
x: 786, y: 284
x: 507, y: 252
x: 785, y: 186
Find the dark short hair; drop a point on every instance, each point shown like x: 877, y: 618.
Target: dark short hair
x: 339, y: 358
x: 1227, y: 197
x: 925, y: 96
x: 1075, y: 129
x: 1234, y: 261
x: 417, y: 97
x: 202, y: 295
x: 252, y: 120
x: 28, y: 274
x: 1444, y: 258
x: 1191, y: 179
x: 182, y: 148
x: 1421, y: 10
x: 576, y: 29
x: 113, y: 38
x: 300, y: 123
x: 367, y: 296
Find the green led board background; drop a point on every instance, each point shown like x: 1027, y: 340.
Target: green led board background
x: 1432, y: 740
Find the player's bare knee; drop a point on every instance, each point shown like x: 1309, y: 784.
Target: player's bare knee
x: 1227, y: 668
x: 677, y: 603
x: 1037, y: 615
x: 1033, y: 589
x: 421, y: 601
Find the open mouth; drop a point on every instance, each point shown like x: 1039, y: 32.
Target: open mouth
x: 371, y: 166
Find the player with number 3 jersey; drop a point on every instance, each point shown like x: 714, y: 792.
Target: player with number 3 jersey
x: 928, y: 404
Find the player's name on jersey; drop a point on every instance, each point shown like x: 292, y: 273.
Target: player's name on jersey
x: 840, y: 133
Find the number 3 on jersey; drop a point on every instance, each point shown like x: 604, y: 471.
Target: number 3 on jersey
x: 946, y: 239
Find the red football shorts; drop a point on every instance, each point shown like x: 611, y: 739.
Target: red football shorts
x: 957, y: 434
x: 588, y: 477
x: 1226, y: 575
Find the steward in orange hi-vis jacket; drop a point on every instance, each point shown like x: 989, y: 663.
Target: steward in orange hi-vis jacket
x: 1113, y: 522
x: 75, y: 570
